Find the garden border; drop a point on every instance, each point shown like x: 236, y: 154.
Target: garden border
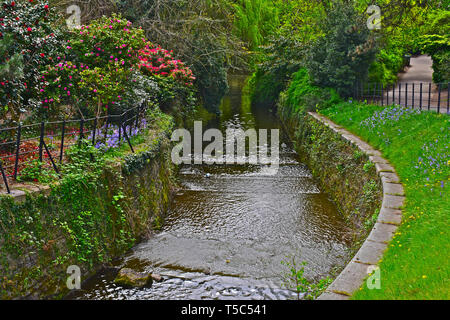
x: 389, y: 218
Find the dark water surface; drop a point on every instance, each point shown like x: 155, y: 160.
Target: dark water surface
x: 230, y: 226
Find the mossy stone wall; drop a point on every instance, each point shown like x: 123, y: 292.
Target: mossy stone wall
x: 342, y: 170
x: 83, y: 221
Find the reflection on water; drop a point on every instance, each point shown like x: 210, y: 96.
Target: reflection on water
x: 230, y: 226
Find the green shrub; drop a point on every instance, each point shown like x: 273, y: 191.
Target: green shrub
x: 255, y: 20
x: 282, y: 57
x: 438, y: 47
x: 388, y: 63
x: 302, y: 95
x: 441, y: 67
x: 436, y: 43
x: 344, y: 54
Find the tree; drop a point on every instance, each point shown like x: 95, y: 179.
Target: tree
x: 344, y: 54
x: 255, y: 21
x: 436, y: 43
x: 201, y: 34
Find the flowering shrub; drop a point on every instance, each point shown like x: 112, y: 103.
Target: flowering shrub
x: 96, y: 69
x: 158, y: 61
x: 102, y: 66
x: 28, y: 41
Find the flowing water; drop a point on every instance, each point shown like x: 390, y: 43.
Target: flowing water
x: 231, y: 226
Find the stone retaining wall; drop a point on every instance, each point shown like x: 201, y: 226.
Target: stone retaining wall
x: 389, y: 218
x: 86, y: 224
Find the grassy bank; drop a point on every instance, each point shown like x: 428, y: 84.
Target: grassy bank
x: 415, y: 266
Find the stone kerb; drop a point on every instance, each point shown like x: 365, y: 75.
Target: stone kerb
x: 389, y: 218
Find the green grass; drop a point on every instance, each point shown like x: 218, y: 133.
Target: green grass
x: 416, y: 263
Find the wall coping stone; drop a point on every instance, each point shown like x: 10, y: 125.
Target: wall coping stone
x: 369, y: 255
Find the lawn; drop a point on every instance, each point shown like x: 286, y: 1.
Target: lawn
x: 416, y: 263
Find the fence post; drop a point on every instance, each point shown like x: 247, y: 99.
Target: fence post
x: 387, y: 95
x: 63, y: 131
x: 393, y: 94
x: 382, y: 95
x: 94, y: 131
x: 420, y: 103
x: 439, y: 98
x: 106, y: 127
x: 127, y: 138
x: 413, y: 95
x: 406, y: 96
x: 5, y: 180
x: 375, y: 87
x: 81, y: 135
x: 41, y: 141
x: 429, y: 96
x: 16, y: 164
x: 399, y: 94
x: 51, y: 158
x: 120, y: 128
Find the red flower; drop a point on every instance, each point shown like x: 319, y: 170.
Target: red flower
x: 42, y: 55
x: 46, y: 7
x: 29, y: 29
x: 13, y: 4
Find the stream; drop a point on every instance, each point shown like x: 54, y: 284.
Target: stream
x: 231, y: 226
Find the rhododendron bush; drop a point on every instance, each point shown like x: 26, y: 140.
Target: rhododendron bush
x: 50, y: 72
x: 158, y: 61
x: 103, y: 67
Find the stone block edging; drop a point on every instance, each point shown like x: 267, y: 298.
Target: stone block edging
x: 389, y: 218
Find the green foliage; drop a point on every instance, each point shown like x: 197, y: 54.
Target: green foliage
x: 255, y: 21
x: 301, y: 19
x: 97, y: 70
x: 211, y: 71
x: 388, y: 63
x: 438, y: 46
x: 295, y: 279
x: 368, y: 166
x: 282, y: 57
x: 344, y: 54
x: 108, y: 66
x: 36, y: 172
x: 302, y: 95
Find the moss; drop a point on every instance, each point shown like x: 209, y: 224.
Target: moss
x: 86, y: 220
x: 340, y: 168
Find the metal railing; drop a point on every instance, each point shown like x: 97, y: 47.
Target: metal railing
x: 47, y: 141
x: 416, y: 95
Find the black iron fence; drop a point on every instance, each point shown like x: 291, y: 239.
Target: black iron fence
x: 47, y: 141
x: 416, y: 95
